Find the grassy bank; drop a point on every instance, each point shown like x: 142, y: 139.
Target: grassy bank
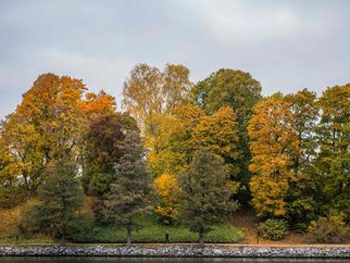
x: 155, y: 234
x: 148, y: 230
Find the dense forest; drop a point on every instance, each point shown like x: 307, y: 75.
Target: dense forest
x: 189, y: 154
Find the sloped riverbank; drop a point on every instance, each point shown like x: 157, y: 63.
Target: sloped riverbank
x: 178, y: 251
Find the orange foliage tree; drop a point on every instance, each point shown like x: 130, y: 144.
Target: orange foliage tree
x: 49, y: 123
x: 98, y: 104
x: 46, y: 125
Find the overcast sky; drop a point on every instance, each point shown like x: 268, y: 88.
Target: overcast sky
x: 286, y: 45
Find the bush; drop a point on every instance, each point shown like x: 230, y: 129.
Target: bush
x: 300, y: 228
x: 32, y: 223
x: 29, y: 223
x: 273, y: 229
x: 81, y: 225
x: 11, y: 196
x: 331, y: 229
x: 9, y: 219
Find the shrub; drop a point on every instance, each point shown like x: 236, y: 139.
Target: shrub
x: 11, y: 196
x: 273, y: 229
x: 9, y: 222
x: 81, y: 225
x: 29, y: 224
x: 300, y: 228
x: 331, y: 229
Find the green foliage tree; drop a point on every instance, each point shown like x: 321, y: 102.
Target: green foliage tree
x: 302, y: 192
x: 237, y: 89
x: 129, y: 191
x: 206, y: 193
x: 60, y: 196
x: 332, y: 162
x: 102, y: 153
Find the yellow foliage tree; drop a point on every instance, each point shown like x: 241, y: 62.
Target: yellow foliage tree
x: 168, y: 138
x: 172, y: 139
x: 218, y: 133
x: 157, y: 139
x: 49, y: 123
x: 167, y: 190
x: 273, y: 144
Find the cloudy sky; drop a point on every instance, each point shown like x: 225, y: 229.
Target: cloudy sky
x: 286, y: 45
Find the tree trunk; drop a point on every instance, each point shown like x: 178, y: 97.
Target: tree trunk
x: 128, y: 237
x: 201, y: 238
x: 63, y: 237
x: 167, y: 235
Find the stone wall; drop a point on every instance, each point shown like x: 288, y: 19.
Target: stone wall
x: 179, y: 251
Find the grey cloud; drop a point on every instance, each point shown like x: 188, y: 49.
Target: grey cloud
x: 284, y: 44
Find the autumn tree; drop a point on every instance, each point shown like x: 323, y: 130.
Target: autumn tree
x: 45, y: 126
x: 188, y: 129
x: 52, y: 107
x: 102, y: 153
x: 219, y: 133
x: 169, y: 139
x: 333, y: 135
x: 167, y: 190
x: 150, y: 91
x: 238, y: 90
x: 206, y: 193
x: 158, y: 138
x: 176, y: 86
x: 98, y: 104
x: 21, y: 154
x: 302, y: 193
x: 273, y: 144
x: 127, y: 197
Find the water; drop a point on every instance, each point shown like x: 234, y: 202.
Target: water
x: 160, y: 260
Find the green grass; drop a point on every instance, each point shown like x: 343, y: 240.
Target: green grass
x: 150, y: 231
x: 34, y: 241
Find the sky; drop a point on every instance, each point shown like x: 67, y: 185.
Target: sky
x: 286, y: 45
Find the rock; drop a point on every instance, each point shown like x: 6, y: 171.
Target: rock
x: 179, y: 251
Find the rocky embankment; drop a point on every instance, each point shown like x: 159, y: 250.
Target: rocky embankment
x: 178, y: 251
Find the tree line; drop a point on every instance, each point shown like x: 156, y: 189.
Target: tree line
x: 189, y: 152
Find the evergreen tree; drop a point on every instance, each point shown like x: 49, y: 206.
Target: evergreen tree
x: 128, y: 193
x: 101, y: 154
x: 61, y: 196
x: 206, y: 193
